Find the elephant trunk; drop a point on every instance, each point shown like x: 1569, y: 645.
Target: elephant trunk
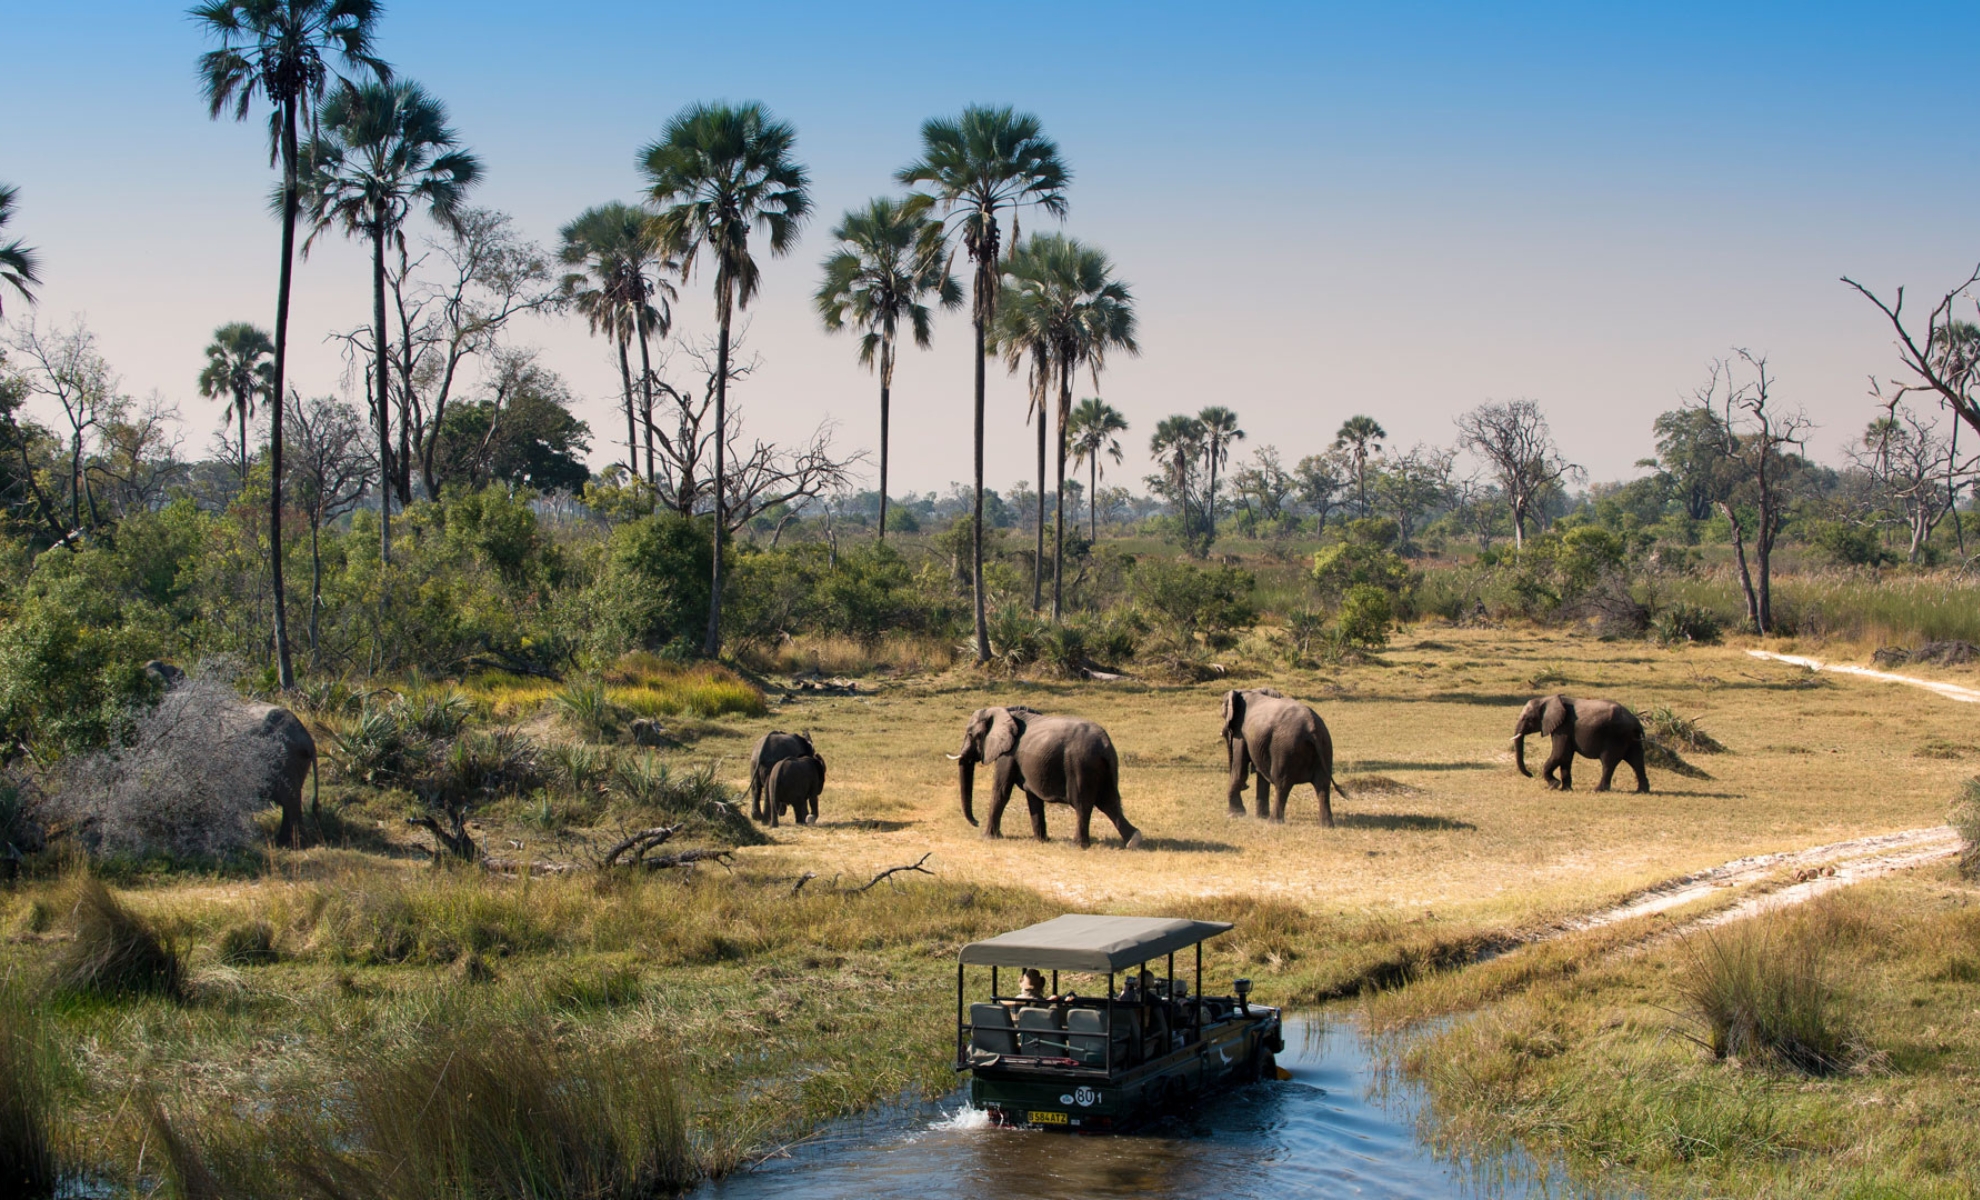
x: 1519, y: 753
x: 966, y: 773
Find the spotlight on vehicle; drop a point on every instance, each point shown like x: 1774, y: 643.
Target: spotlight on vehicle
x: 1243, y: 989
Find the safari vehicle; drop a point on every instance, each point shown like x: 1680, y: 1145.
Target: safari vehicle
x: 1111, y: 1060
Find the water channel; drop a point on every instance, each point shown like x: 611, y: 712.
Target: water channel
x: 1342, y: 1126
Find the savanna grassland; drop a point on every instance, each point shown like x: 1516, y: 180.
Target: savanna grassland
x: 774, y: 1006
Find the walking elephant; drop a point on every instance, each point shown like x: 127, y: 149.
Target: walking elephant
x: 1055, y: 760
x: 1286, y: 742
x: 271, y: 734
x: 771, y: 749
x: 795, y: 783
x: 1599, y: 729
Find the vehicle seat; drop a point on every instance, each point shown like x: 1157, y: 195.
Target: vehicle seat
x: 1086, y: 1034
x: 1041, y: 1033
x: 990, y: 1031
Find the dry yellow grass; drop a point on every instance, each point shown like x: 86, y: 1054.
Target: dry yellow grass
x: 1439, y: 821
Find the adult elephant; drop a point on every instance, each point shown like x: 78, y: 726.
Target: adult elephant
x: 1599, y: 729
x: 271, y: 734
x: 1055, y: 760
x: 772, y: 748
x: 1286, y: 742
x: 795, y: 783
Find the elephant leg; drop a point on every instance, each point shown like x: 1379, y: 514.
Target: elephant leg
x: 1130, y: 836
x: 1240, y: 775
x: 1085, y: 812
x: 1635, y: 761
x: 1560, y: 760
x: 1262, y: 803
x: 755, y: 798
x: 1324, y: 785
x: 1037, y: 806
x: 290, y: 834
x: 1609, y: 760
x: 814, y: 808
x: 1000, y: 796
x: 776, y: 810
x: 1281, y: 792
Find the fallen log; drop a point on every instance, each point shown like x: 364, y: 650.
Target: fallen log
x: 891, y: 871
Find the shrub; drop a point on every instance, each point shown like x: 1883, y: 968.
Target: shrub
x: 433, y: 713
x: 1847, y: 544
x: 1965, y: 818
x: 248, y: 944
x: 376, y: 749
x: 585, y: 705
x: 115, y: 952
x: 186, y: 786
x: 1366, y: 616
x: 1015, y: 633
x: 1666, y: 725
x: 1346, y: 565
x: 1686, y: 623
x: 1760, y: 990
x: 1190, y: 599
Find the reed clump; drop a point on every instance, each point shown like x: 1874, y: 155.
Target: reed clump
x: 115, y: 952
x: 1761, y: 991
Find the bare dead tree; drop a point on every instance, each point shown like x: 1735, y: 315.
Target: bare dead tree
x: 1515, y: 442
x: 331, y: 471
x: 1914, y: 470
x: 1944, y: 360
x: 483, y: 275
x: 1756, y: 455
x: 137, y: 457
x: 764, y: 475
x: 63, y: 365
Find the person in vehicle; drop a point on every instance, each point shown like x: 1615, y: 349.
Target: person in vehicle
x: 1031, y: 986
x: 1138, y: 988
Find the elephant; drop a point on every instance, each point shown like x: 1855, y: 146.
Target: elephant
x: 1599, y: 729
x: 1056, y: 760
x: 771, y: 749
x: 1286, y: 742
x: 292, y: 754
x: 795, y: 783
x: 287, y: 747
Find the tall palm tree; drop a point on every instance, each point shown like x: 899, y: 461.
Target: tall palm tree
x: 18, y: 263
x: 985, y: 163
x: 621, y: 294
x: 888, y: 261
x: 1094, y: 424
x: 238, y: 367
x: 1177, y: 444
x: 1362, y: 436
x: 277, y: 49
x: 384, y: 148
x: 718, y: 171
x: 1220, y: 429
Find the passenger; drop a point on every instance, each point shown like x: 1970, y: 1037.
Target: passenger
x: 1031, y: 986
x: 1138, y: 988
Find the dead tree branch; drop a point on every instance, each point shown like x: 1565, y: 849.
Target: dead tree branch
x: 890, y: 871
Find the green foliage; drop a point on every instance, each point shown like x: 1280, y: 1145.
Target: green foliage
x: 30, y: 1158
x: 864, y: 592
x: 584, y: 704
x: 1682, y: 622
x: 1847, y: 544
x: 247, y: 944
x: 1670, y: 727
x: 69, y: 684
x: 653, y: 591
x: 1360, y: 561
x: 1185, y: 600
x: 1366, y: 616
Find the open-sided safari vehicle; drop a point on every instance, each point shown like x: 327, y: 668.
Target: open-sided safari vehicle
x: 1152, y: 1045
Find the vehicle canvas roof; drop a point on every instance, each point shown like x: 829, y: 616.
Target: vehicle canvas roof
x: 1077, y: 942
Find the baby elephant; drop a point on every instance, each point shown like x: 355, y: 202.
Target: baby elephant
x: 1599, y: 729
x: 795, y: 783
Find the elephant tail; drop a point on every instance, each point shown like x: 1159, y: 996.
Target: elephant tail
x: 315, y: 789
x: 1338, y: 789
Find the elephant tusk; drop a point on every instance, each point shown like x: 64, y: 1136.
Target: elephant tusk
x: 954, y: 757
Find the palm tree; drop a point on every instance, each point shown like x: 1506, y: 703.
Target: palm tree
x: 277, y: 48
x: 17, y: 261
x: 1094, y: 424
x: 620, y: 252
x: 977, y: 166
x: 1022, y: 334
x: 1220, y: 429
x: 383, y: 148
x: 889, y: 259
x: 238, y: 368
x: 1064, y: 291
x: 717, y: 171
x: 1364, y: 435
x: 1177, y: 444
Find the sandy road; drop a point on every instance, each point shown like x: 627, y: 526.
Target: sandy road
x: 1951, y: 691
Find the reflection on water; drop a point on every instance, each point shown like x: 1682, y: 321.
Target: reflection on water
x: 1341, y: 1126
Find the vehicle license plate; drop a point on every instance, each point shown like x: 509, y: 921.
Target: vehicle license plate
x: 1046, y: 1118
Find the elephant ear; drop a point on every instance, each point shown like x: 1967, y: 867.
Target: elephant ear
x: 1005, y: 730
x: 1233, y: 713
x: 1274, y: 693
x: 1558, y: 715
x: 820, y: 760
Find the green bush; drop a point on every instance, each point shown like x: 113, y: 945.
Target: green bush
x: 653, y: 591
x: 1366, y: 615
x: 1189, y: 599
x: 1847, y: 544
x: 1686, y: 623
x: 1759, y: 990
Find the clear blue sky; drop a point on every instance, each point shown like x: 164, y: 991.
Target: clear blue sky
x: 1394, y: 209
